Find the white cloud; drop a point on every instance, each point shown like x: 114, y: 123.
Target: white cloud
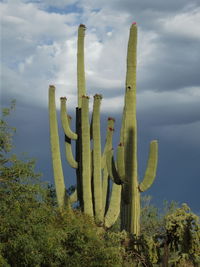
x: 183, y: 24
x: 40, y: 49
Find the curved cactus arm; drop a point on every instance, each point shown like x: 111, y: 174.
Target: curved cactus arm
x: 65, y: 122
x: 55, y: 150
x: 150, y: 173
x: 69, y: 154
x: 106, y: 179
x: 73, y: 197
x: 68, y: 149
x: 105, y: 190
x: 112, y: 170
x: 97, y: 180
x: 86, y: 158
x: 80, y: 64
x: 114, y: 206
x: 120, y: 162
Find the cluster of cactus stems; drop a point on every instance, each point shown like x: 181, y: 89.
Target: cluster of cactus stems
x: 96, y: 169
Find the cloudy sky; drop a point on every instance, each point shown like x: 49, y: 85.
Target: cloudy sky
x: 38, y: 48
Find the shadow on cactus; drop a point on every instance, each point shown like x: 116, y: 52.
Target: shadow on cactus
x: 96, y: 170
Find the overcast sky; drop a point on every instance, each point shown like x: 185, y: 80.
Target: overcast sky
x: 38, y: 48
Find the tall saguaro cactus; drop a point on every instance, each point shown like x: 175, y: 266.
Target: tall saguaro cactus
x: 95, y: 169
x: 131, y: 186
x: 55, y: 148
x: 93, y: 187
x: 131, y: 189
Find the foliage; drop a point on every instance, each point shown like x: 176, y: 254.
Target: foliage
x: 33, y: 231
x: 6, y: 131
x: 183, y: 235
x: 172, y: 237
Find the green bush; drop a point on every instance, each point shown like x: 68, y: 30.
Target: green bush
x: 33, y: 232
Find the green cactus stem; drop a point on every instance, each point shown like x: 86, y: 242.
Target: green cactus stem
x: 131, y: 194
x: 81, y: 91
x: 120, y: 162
x: 73, y: 197
x: 131, y: 189
x: 106, y: 179
x: 151, y: 167
x: 55, y: 150
x: 112, y: 169
x: 65, y: 123
x: 68, y: 149
x: 80, y: 64
x: 114, y: 206
x: 109, y: 137
x: 86, y: 158
x: 97, y: 181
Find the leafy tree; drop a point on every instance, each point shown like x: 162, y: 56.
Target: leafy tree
x: 33, y: 232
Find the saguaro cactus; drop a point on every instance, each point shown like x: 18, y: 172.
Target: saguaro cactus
x: 94, y: 169
x: 131, y: 186
x: 93, y: 187
x: 55, y: 148
x: 131, y: 189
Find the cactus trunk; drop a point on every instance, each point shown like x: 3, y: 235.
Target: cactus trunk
x: 55, y: 150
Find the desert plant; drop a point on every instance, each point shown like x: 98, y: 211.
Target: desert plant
x: 93, y: 191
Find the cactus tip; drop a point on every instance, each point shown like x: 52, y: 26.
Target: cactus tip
x: 51, y: 86
x: 98, y: 96
x: 82, y: 25
x: 63, y: 98
x: 85, y: 96
x: 134, y: 23
x: 111, y: 119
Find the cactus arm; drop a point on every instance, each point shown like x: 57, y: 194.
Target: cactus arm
x: 112, y: 170
x: 151, y: 167
x: 120, y: 162
x: 80, y: 64
x: 68, y: 149
x: 86, y: 158
x: 105, y: 190
x: 106, y: 179
x: 97, y: 180
x: 114, y: 207
x: 69, y: 154
x: 64, y: 120
x: 109, y: 137
x: 73, y: 197
x: 55, y: 150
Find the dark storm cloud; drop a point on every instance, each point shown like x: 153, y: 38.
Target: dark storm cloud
x: 139, y: 8
x: 176, y: 65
